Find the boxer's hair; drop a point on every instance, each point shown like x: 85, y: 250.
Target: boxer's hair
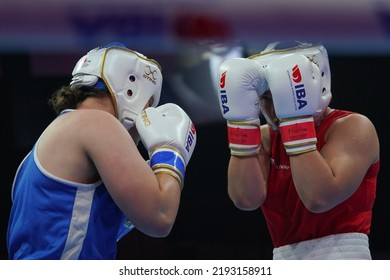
x: 68, y: 98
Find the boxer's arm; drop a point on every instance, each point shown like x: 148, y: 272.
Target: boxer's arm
x: 149, y: 200
x: 323, y: 179
x: 241, y: 83
x: 326, y: 178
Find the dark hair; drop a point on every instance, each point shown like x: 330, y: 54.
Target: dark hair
x: 68, y: 98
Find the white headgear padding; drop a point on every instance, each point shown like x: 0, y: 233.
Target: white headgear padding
x: 316, y: 54
x: 131, y: 78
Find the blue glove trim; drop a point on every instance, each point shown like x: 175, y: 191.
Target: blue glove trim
x: 168, y: 157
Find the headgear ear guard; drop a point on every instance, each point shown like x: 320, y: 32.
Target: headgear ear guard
x: 131, y: 78
x: 316, y: 54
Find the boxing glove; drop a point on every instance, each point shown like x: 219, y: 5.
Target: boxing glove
x: 241, y: 82
x: 169, y: 136
x: 295, y: 86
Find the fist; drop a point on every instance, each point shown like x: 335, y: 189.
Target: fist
x: 169, y: 135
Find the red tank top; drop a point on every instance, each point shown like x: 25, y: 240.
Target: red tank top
x: 287, y: 218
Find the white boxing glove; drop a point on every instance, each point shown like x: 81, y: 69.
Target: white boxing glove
x: 170, y: 138
x: 241, y: 84
x: 295, y: 86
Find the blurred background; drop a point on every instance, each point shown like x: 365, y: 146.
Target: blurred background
x: 41, y: 40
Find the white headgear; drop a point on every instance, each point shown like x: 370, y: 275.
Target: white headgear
x: 131, y: 78
x: 317, y: 54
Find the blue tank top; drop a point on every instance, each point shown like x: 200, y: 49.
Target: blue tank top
x: 52, y: 218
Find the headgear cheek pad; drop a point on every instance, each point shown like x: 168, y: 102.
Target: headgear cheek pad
x: 131, y: 78
x: 317, y: 55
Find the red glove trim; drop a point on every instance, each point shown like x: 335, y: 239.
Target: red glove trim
x: 242, y: 135
x: 298, y: 129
